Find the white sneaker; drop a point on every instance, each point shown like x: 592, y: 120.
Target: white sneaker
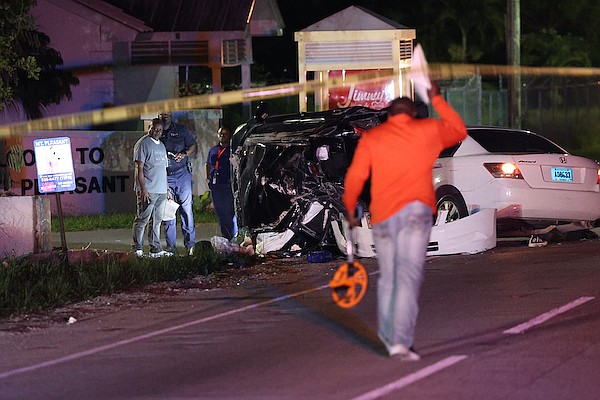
x: 401, y: 352
x: 536, y: 241
x: 161, y: 254
x: 139, y: 253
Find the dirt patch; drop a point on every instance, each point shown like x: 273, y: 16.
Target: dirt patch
x: 81, y: 256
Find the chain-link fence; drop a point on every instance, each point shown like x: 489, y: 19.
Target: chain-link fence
x: 476, y: 104
x: 566, y: 110
x: 562, y: 109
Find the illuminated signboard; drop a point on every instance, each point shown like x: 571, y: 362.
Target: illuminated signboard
x: 54, y: 164
x: 372, y: 95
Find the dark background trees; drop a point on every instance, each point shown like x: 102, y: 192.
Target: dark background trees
x: 470, y: 31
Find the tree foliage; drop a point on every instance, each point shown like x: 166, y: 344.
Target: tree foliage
x: 29, y: 69
x: 54, y: 84
x: 458, y: 32
x: 15, y: 25
x: 572, y: 23
x: 547, y: 47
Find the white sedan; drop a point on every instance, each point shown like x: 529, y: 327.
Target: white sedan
x: 534, y: 184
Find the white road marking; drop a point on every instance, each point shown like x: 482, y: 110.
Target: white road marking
x: 402, y: 382
x: 412, y: 378
x: 546, y: 316
x: 148, y: 335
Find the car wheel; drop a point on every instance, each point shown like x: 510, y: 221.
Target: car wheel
x: 452, y: 201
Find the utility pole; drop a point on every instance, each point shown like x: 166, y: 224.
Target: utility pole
x: 513, y: 44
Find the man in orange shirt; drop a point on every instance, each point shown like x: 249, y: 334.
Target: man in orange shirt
x: 399, y: 155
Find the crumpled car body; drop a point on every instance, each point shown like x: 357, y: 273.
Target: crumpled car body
x: 288, y: 174
x: 469, y: 235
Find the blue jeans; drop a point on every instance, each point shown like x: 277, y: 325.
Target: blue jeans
x: 401, y: 243
x: 180, y: 184
x: 152, y: 211
x: 222, y: 199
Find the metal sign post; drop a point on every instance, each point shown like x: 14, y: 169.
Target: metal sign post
x: 55, y: 174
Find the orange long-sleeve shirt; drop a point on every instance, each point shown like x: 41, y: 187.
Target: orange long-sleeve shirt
x: 399, y: 156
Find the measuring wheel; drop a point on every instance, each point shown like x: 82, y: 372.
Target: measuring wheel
x: 349, y: 284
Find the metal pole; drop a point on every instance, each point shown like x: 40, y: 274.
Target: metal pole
x: 61, y: 221
x: 514, y: 58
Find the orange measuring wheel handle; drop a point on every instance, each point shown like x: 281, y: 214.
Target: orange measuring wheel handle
x: 349, y: 284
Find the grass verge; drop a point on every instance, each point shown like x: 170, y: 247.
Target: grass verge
x: 27, y: 285
x: 30, y: 284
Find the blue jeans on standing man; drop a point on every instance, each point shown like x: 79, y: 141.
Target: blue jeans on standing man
x: 180, y: 184
x: 401, y: 242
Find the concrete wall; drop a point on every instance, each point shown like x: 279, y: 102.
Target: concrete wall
x: 142, y: 83
x: 103, y: 165
x: 24, y: 225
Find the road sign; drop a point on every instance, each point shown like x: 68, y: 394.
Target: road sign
x: 54, y: 164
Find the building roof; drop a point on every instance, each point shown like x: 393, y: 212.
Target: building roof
x: 354, y: 18
x: 189, y: 15
x: 107, y: 10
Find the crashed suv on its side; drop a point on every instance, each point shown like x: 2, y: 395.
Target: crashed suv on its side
x: 288, y: 174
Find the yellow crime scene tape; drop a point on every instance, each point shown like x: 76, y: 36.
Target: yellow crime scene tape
x: 133, y: 111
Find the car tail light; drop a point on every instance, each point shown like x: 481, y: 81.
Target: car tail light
x: 598, y: 181
x: 505, y: 170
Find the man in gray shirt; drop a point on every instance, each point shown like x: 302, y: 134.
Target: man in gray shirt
x: 150, y: 186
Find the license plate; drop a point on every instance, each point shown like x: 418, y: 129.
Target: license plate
x: 562, y: 174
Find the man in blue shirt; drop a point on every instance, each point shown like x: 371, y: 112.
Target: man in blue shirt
x: 218, y: 176
x: 180, y: 145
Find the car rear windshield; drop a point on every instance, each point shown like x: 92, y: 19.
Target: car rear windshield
x: 513, y: 142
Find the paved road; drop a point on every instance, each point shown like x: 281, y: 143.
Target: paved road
x: 279, y: 336
x: 122, y: 239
